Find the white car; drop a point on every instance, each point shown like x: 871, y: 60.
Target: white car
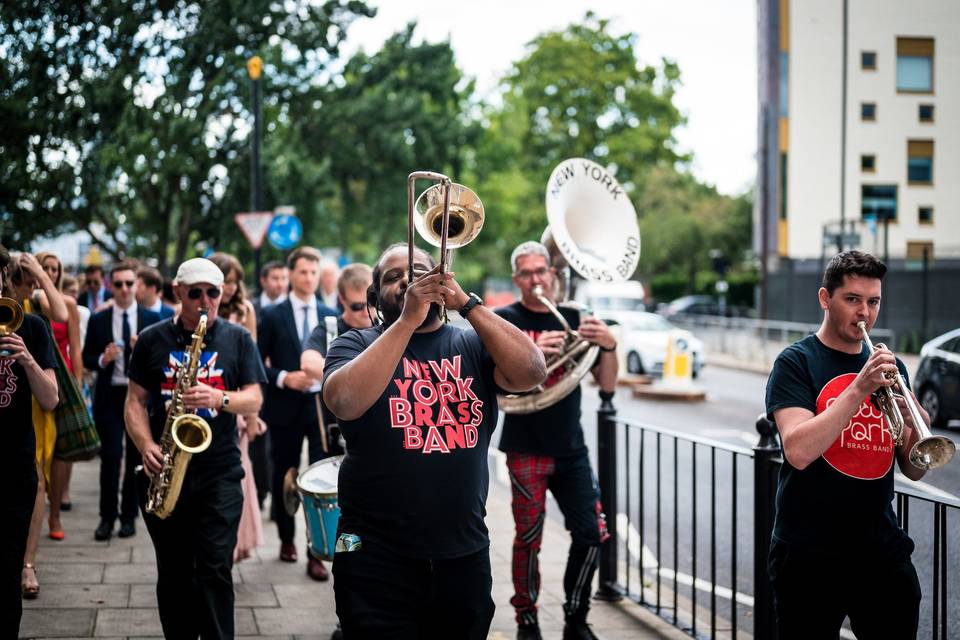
x: 643, y: 342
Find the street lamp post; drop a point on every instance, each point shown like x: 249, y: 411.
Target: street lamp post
x: 254, y: 69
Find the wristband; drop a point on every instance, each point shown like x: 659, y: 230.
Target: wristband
x: 613, y: 348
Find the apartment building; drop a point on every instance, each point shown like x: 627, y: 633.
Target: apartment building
x: 859, y: 129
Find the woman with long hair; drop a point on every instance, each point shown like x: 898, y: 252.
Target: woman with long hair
x: 25, y: 275
x: 67, y: 337
x: 236, y: 308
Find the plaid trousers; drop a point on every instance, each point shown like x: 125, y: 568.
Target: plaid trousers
x: 572, y: 483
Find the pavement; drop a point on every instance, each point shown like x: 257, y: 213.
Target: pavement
x: 107, y: 589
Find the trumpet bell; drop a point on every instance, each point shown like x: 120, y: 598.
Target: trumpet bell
x: 11, y: 317
x: 932, y: 452
x: 466, y: 216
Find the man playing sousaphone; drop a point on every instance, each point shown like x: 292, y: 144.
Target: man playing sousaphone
x: 415, y: 399
x: 546, y: 448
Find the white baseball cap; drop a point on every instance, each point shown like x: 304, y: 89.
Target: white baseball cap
x: 199, y: 270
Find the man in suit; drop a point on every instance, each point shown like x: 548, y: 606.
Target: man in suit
x: 329, y: 274
x: 94, y: 293
x: 149, y: 286
x: 290, y: 408
x: 111, y: 335
x: 274, y: 282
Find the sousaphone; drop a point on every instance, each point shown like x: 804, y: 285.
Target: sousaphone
x: 592, y: 232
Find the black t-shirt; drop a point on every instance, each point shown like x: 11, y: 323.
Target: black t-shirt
x: 229, y: 360
x: 16, y: 398
x: 842, y: 500
x: 415, y: 476
x: 556, y: 430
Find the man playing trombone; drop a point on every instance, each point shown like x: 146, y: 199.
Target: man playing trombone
x: 415, y: 400
x: 837, y: 549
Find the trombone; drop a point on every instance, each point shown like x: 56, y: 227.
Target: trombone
x: 447, y: 215
x: 930, y: 451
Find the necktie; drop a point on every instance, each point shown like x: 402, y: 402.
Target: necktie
x: 127, y: 348
x: 305, y: 332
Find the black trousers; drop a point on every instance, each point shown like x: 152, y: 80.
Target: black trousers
x: 113, y: 434
x: 383, y: 596
x: 259, y: 451
x: 20, y: 486
x: 814, y: 592
x: 194, y: 547
x: 286, y: 443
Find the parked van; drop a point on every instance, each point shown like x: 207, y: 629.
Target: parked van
x: 607, y: 299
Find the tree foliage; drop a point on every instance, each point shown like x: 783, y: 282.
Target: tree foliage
x: 130, y: 115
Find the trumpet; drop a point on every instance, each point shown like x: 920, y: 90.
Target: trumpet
x: 447, y: 215
x: 11, y: 317
x: 930, y: 451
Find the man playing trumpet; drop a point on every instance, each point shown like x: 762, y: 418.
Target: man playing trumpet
x: 836, y: 482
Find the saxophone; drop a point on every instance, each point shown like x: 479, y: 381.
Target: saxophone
x: 184, y: 433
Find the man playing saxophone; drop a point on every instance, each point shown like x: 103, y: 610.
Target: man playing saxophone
x: 837, y: 549
x: 194, y: 544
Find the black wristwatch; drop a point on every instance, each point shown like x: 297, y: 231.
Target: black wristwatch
x: 470, y: 304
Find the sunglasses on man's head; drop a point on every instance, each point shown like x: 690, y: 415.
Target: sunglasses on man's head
x: 195, y: 293
x: 117, y: 284
x: 356, y: 306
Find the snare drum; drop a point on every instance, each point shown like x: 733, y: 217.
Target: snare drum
x: 318, y: 486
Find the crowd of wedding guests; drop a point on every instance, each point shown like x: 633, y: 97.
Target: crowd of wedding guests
x: 93, y: 319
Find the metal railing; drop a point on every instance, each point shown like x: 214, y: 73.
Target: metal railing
x: 752, y: 341
x: 680, y: 530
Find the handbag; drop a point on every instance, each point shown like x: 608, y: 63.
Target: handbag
x: 77, y: 437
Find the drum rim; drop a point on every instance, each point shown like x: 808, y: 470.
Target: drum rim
x: 332, y: 460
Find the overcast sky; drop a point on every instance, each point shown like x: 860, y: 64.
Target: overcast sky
x: 715, y: 44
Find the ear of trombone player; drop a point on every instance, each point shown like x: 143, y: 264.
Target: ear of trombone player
x: 847, y: 419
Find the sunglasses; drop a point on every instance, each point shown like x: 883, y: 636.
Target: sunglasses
x: 356, y: 306
x: 194, y: 294
x: 117, y: 284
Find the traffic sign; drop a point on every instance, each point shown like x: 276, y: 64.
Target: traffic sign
x: 285, y: 229
x: 254, y: 225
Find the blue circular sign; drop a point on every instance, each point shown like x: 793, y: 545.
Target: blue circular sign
x: 285, y: 231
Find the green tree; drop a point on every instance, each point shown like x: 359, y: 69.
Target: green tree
x: 392, y: 112
x: 132, y: 117
x: 579, y: 92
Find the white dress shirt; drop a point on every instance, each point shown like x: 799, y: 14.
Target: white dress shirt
x: 313, y: 319
x: 119, y: 377
x: 266, y: 301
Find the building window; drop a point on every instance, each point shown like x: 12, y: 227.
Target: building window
x: 925, y: 112
x: 783, y: 186
x: 920, y: 161
x: 915, y: 65
x: 878, y: 202
x: 868, y: 60
x: 868, y: 111
x: 925, y: 215
x: 868, y: 163
x: 917, y: 249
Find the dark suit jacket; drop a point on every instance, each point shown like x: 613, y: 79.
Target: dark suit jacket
x: 166, y: 311
x: 99, y: 335
x: 84, y: 297
x: 279, y: 342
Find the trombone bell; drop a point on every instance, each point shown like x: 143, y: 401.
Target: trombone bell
x: 466, y: 216
x: 11, y: 317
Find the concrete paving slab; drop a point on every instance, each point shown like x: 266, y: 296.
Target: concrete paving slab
x: 318, y: 595
x: 131, y: 573
x: 72, y: 596
x: 66, y: 623
x: 86, y: 554
x: 67, y: 573
x: 146, y: 623
x: 306, y: 620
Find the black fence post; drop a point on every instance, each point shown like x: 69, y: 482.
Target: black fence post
x: 607, y: 477
x: 765, y: 471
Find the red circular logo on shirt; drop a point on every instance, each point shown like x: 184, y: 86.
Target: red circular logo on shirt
x: 864, y: 449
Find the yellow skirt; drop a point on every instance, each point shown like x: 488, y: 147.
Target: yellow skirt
x: 45, y: 430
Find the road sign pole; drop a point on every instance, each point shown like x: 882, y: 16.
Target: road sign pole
x: 254, y: 68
